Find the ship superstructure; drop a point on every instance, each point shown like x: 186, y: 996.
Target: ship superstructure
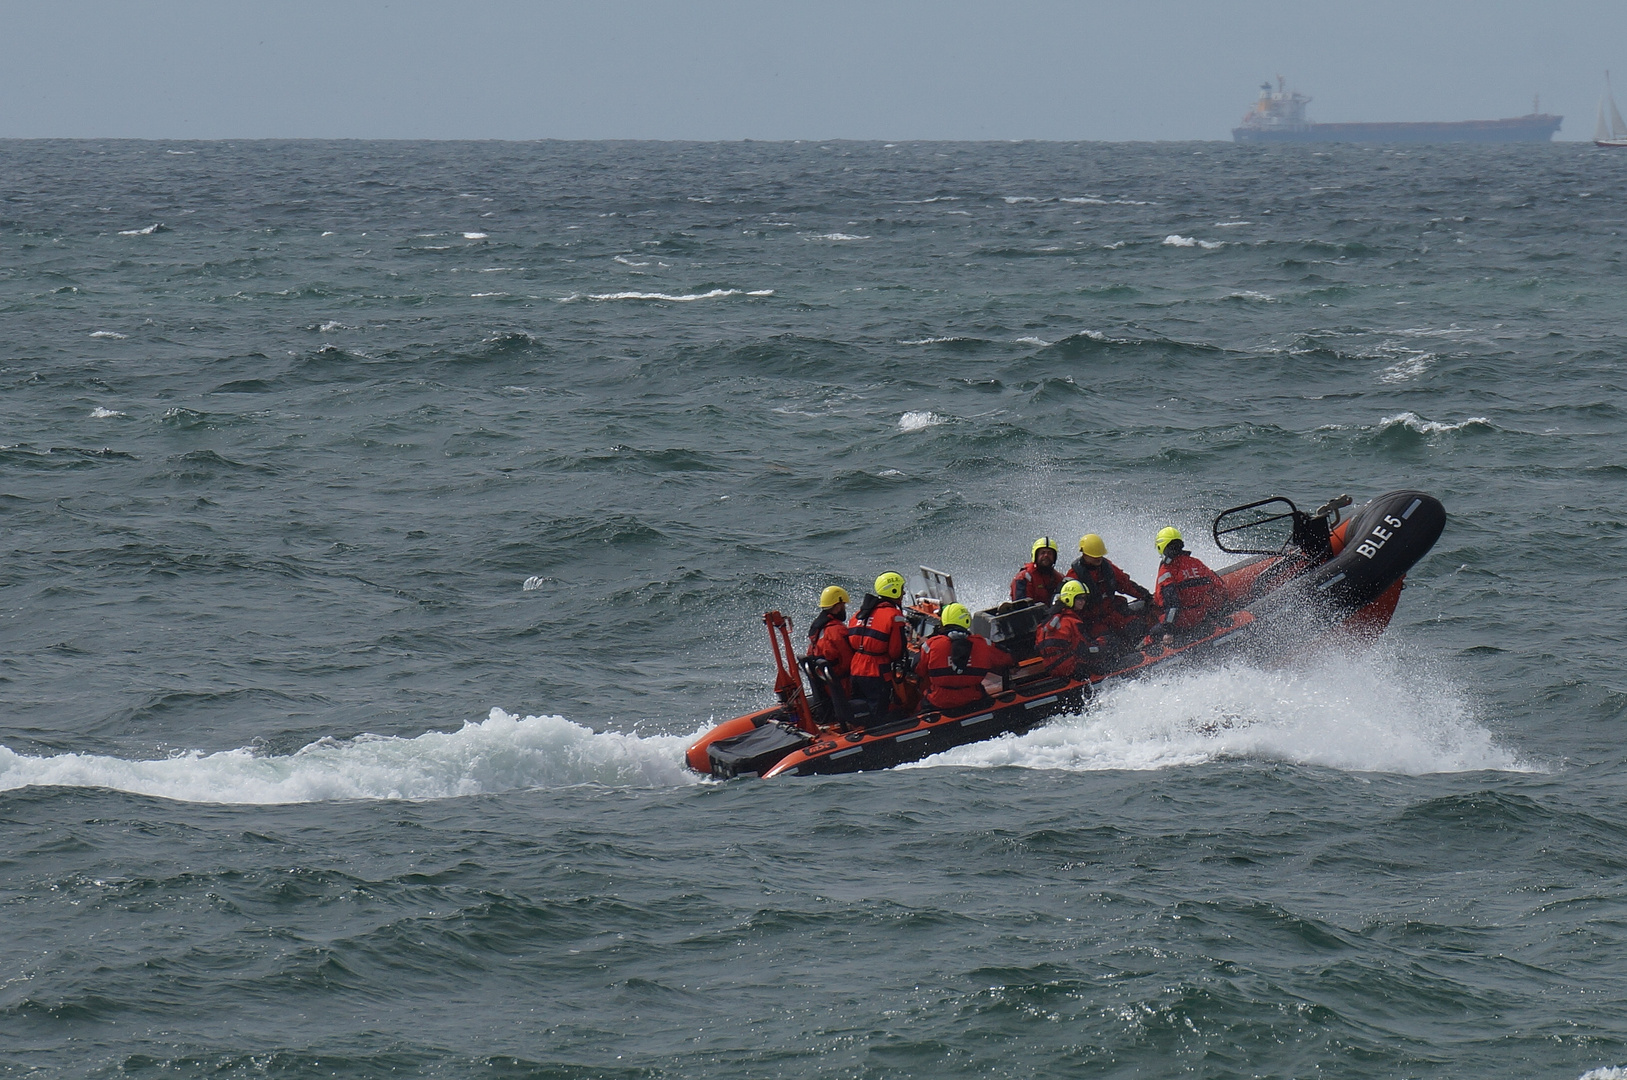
x: 1278, y: 116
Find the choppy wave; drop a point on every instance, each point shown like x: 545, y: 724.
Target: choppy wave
x: 915, y: 421
x: 839, y: 236
x: 1355, y: 714
x: 109, y: 334
x: 676, y: 298
x: 1177, y: 240
x: 1417, y: 423
x: 156, y: 227
x: 501, y: 753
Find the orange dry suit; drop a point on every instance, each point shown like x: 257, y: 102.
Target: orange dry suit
x: 955, y: 662
x: 1073, y: 644
x: 828, y: 639
x: 1189, y: 592
x: 877, y: 636
x: 1035, y: 583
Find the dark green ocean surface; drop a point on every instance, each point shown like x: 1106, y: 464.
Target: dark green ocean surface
x: 382, y: 520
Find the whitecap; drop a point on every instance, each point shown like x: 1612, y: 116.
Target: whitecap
x: 1231, y: 224
x: 533, y: 583
x: 1014, y: 199
x: 1607, y: 1072
x: 1250, y: 294
x: 625, y: 261
x: 1408, y: 368
x: 1431, y: 427
x: 1041, y: 342
x: 681, y: 298
x: 1086, y: 200
x: 330, y: 232
x: 1177, y: 240
x: 760, y: 292
x: 99, y: 413
x: 333, y: 324
x: 915, y: 421
x: 835, y: 236
x: 478, y: 295
x: 501, y: 753
x: 148, y: 231
x: 474, y: 236
x: 109, y: 334
x: 928, y: 341
x: 890, y: 472
x: 1366, y: 713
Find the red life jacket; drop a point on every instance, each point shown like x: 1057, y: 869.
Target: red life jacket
x: 1108, y: 587
x: 955, y: 663
x: 1066, y: 638
x: 827, y: 638
x: 1033, y: 583
x: 1188, y: 591
x: 877, y: 636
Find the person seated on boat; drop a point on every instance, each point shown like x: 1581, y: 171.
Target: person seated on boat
x: 1074, y: 639
x: 955, y: 661
x: 877, y: 636
x: 1190, y: 593
x: 1108, y: 588
x: 1039, y: 578
x: 828, y: 636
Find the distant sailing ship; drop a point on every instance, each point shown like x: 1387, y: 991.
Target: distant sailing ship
x: 1609, y: 131
x: 1279, y: 117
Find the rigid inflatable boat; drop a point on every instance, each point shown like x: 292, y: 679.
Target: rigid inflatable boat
x: 1307, y: 577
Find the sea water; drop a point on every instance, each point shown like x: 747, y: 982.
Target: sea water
x: 382, y: 521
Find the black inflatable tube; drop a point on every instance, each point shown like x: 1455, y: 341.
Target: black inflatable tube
x: 1382, y: 541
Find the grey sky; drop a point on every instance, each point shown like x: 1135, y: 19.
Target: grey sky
x: 730, y: 69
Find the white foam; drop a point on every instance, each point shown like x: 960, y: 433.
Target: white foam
x: 1365, y: 713
x: 533, y: 583
x: 478, y: 295
x: 1177, y: 240
x: 1250, y: 294
x: 1015, y: 199
x: 682, y: 298
x: 474, y: 236
x: 1231, y: 224
x: 1411, y: 367
x: 1087, y: 200
x: 330, y: 232
x: 501, y: 753
x: 148, y: 231
x: 625, y: 261
x: 1041, y: 342
x: 928, y: 341
x: 110, y: 334
x: 99, y: 413
x: 835, y: 236
x: 1431, y: 427
x: 333, y: 324
x: 915, y: 421
x: 1608, y: 1072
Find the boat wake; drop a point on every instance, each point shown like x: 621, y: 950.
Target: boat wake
x: 1352, y: 713
x: 501, y: 753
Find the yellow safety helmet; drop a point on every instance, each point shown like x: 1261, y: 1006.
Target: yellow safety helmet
x: 1072, y: 590
x: 833, y: 595
x: 1092, y: 545
x: 890, y: 585
x: 1040, y: 545
x: 1165, y: 535
x: 956, y: 615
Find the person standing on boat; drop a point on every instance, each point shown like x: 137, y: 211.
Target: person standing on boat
x: 1039, y: 579
x: 1108, y: 588
x: 877, y: 636
x: 1189, y: 593
x: 955, y: 662
x: 828, y: 635
x: 1073, y: 640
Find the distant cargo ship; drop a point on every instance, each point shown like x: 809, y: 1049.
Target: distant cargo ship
x: 1279, y: 117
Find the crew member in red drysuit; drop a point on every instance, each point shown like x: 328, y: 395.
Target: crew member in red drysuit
x: 1038, y: 579
x: 877, y: 636
x: 828, y: 636
x: 1073, y: 640
x: 955, y: 662
x: 1189, y: 592
x: 1108, y: 588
